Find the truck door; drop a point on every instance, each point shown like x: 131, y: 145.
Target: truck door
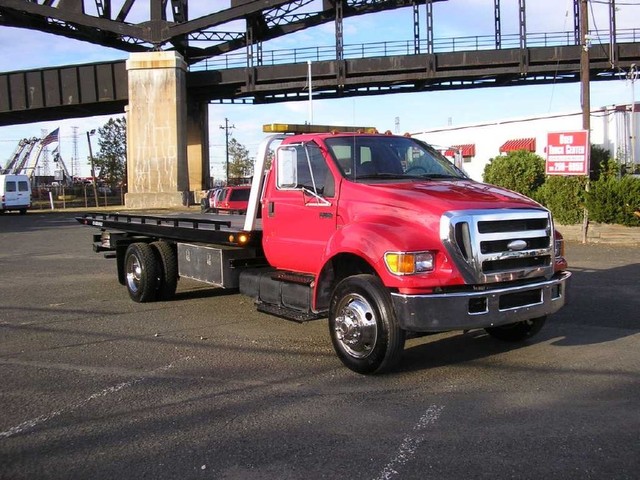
x: 299, y: 209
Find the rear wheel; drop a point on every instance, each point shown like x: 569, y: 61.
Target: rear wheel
x: 516, y: 332
x: 167, y: 271
x: 363, y: 326
x: 23, y: 211
x: 141, y: 272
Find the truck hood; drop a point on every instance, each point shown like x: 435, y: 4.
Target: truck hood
x: 440, y: 196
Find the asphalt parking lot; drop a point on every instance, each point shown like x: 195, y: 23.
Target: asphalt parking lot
x: 97, y: 386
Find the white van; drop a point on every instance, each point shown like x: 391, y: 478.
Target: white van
x: 15, y: 193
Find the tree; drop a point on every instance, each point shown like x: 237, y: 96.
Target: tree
x: 520, y: 171
x: 111, y: 158
x: 240, y: 165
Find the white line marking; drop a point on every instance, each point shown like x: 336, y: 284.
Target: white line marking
x: 410, y: 444
x: 34, y: 422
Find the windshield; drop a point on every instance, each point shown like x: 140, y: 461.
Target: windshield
x: 364, y: 157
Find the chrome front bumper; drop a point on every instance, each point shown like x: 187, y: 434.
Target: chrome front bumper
x: 480, y: 309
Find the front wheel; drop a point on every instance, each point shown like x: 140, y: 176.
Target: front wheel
x: 141, y: 272
x: 363, y: 326
x: 516, y: 332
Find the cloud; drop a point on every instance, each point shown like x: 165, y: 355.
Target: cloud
x: 28, y: 49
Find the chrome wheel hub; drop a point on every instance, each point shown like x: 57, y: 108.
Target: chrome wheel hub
x: 134, y: 273
x: 356, y: 326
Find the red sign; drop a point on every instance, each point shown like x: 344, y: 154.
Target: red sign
x: 568, y: 153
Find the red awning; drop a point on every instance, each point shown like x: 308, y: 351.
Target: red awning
x: 528, y: 144
x: 468, y: 150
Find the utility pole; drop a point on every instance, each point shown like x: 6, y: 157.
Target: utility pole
x: 585, y: 97
x: 226, y: 129
x: 74, y: 159
x: 310, y: 82
x: 93, y: 170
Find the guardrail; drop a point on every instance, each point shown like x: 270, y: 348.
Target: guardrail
x: 240, y: 59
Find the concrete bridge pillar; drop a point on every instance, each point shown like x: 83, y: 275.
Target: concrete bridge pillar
x: 167, y: 155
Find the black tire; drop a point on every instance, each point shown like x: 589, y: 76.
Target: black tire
x: 23, y: 211
x: 516, y: 332
x: 141, y: 269
x: 168, y: 271
x: 363, y: 326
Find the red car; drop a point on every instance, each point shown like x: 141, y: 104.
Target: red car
x: 231, y: 200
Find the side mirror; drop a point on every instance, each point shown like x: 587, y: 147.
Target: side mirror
x: 287, y: 167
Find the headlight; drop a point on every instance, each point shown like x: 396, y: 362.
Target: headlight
x: 408, y: 263
x: 558, y: 245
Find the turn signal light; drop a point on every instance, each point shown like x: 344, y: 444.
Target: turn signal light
x: 408, y: 263
x: 242, y: 238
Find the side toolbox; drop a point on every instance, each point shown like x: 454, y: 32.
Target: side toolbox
x: 211, y: 264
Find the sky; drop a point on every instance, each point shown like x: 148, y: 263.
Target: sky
x: 414, y: 112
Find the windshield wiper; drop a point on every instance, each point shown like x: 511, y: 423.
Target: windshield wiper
x: 434, y: 176
x: 382, y: 175
x: 401, y: 176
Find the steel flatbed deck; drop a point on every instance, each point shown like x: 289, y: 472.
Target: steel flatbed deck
x: 180, y: 227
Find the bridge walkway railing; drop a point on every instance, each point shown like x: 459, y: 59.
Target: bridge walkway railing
x: 240, y: 59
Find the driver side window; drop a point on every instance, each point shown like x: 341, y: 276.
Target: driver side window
x: 313, y: 172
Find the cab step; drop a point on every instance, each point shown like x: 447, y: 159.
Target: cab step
x: 289, y: 313
x: 292, y: 277
x: 280, y: 293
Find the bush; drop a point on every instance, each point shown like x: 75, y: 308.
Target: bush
x: 564, y: 196
x: 601, y: 163
x: 613, y: 200
x: 520, y: 171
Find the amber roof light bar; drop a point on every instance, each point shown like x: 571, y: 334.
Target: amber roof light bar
x: 307, y: 128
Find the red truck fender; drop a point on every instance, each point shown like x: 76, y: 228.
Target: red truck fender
x: 360, y: 248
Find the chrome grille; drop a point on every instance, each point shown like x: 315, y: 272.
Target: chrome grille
x: 491, y: 246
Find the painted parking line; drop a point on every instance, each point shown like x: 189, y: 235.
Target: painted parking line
x: 34, y: 422
x: 410, y: 444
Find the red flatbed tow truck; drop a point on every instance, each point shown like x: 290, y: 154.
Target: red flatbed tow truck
x: 378, y: 233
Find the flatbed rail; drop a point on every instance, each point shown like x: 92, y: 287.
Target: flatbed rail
x: 177, y: 228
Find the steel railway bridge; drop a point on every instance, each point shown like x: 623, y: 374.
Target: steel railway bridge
x: 229, y: 66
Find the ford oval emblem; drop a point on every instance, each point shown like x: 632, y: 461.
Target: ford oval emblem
x: 517, y: 245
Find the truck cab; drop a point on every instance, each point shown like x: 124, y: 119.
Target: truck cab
x: 391, y: 218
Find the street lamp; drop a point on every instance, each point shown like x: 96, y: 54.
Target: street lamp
x: 93, y: 171
x: 633, y: 76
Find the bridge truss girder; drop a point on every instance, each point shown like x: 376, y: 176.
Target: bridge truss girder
x: 166, y: 23
x: 51, y: 89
